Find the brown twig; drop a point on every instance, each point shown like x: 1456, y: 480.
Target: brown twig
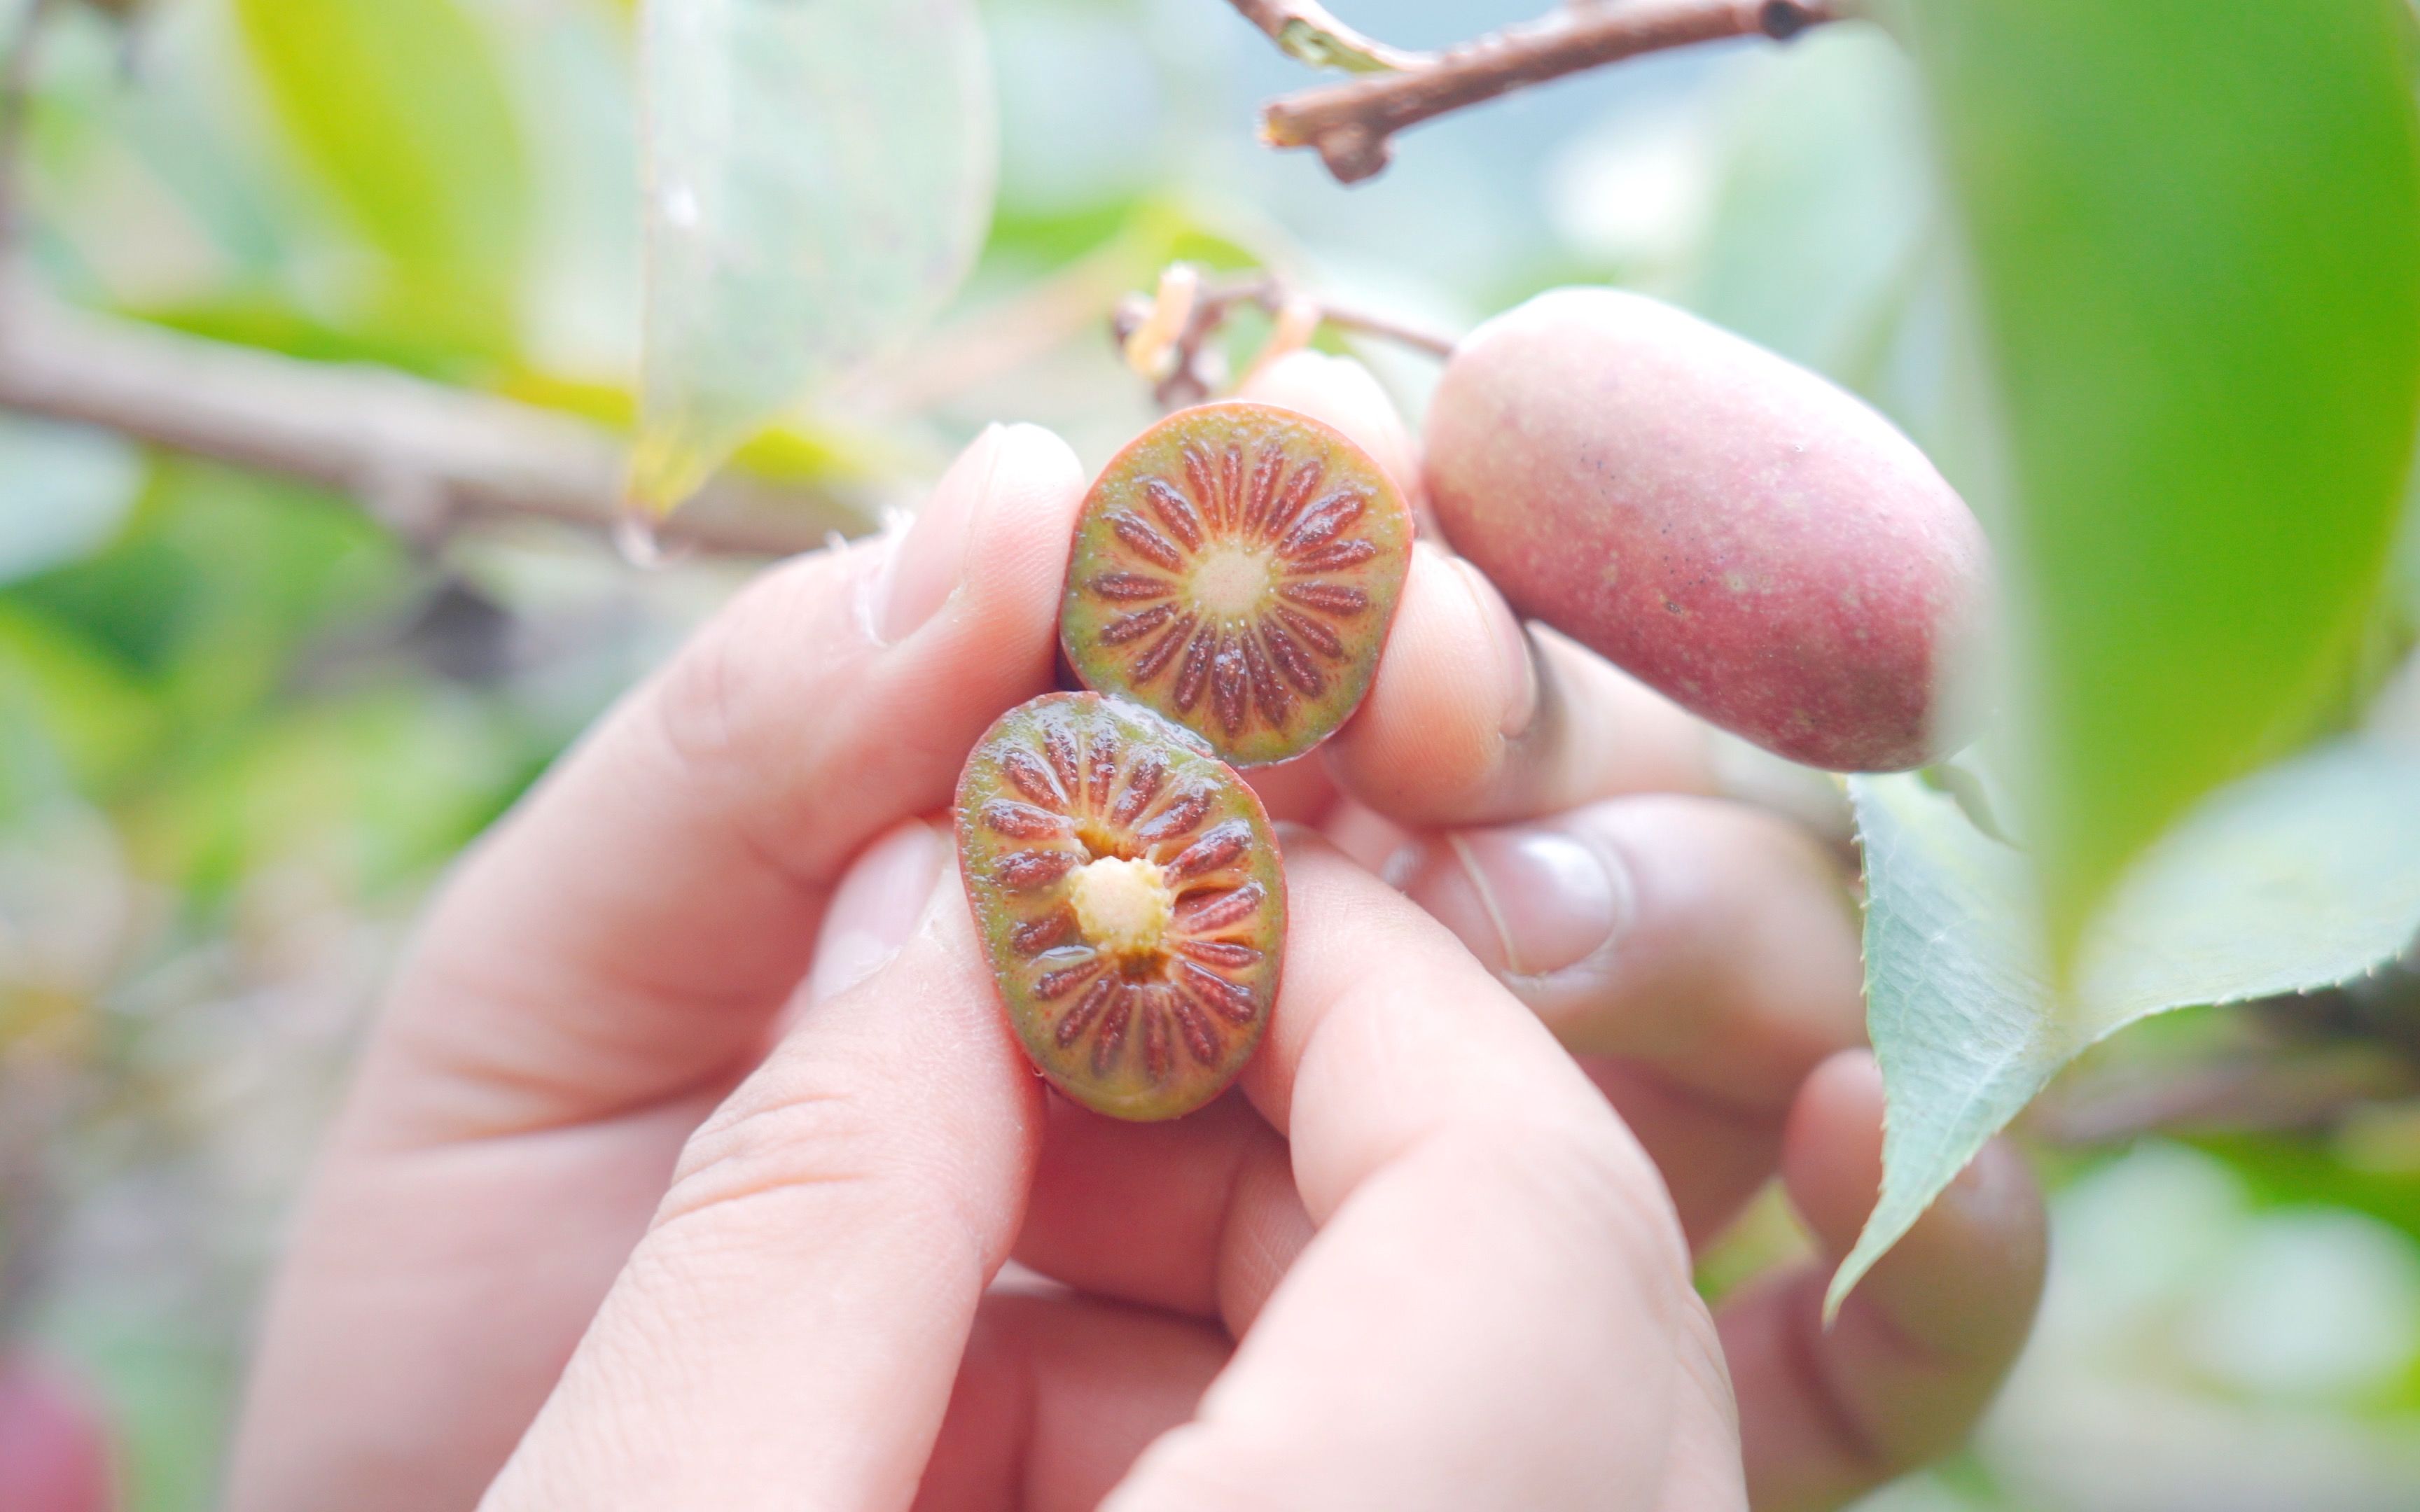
x: 1352, y: 125
x: 1194, y: 372
x: 1304, y: 30
x: 422, y: 455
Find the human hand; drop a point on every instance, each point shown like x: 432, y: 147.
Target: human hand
x: 677, y: 901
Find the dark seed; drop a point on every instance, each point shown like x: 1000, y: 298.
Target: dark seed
x: 1291, y: 660
x: 1334, y: 556
x: 1298, y: 493
x: 1024, y: 871
x: 1021, y: 821
x: 1184, y: 811
x: 1195, y: 673
x: 1143, y: 785
x: 1218, y: 995
x: 1195, y: 1026
x: 1130, y: 587
x: 1322, y: 638
x: 1326, y: 520
x: 1028, y: 777
x: 1207, y: 913
x: 1057, y: 984
x: 1162, y: 650
x: 1218, y: 847
x: 1328, y: 598
x: 1135, y: 626
x: 1174, y: 511
x: 1223, y: 953
x: 1119, y: 1012
x: 1145, y: 541
x: 1073, y: 1024
x: 1036, y: 936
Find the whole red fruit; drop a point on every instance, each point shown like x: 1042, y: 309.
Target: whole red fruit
x: 1729, y: 527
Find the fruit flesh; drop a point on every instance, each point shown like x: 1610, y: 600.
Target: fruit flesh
x: 1236, y: 569
x: 1755, y: 542
x: 1127, y: 889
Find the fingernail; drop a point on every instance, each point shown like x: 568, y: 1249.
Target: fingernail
x: 1527, y: 901
x: 927, y: 562
x: 876, y: 907
x: 1514, y: 665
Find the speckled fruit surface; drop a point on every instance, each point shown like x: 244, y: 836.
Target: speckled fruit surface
x: 1130, y: 898
x: 1236, y: 569
x: 1729, y: 527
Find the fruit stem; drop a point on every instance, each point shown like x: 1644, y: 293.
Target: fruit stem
x: 1193, y: 371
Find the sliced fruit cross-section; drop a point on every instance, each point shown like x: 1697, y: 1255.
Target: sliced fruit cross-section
x: 1128, y: 892
x: 1236, y: 568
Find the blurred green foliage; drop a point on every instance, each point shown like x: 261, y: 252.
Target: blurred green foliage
x: 242, y: 727
x: 2197, y: 245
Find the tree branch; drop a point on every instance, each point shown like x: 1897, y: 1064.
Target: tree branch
x: 1304, y: 30
x: 421, y: 456
x: 1352, y: 125
x: 1193, y: 369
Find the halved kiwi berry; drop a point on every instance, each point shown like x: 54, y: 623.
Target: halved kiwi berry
x: 1128, y: 892
x: 1236, y: 569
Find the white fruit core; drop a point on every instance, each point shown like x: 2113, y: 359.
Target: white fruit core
x: 1230, y: 581
x: 1124, y: 907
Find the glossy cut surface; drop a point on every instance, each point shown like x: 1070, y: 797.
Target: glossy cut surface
x: 1236, y: 568
x: 1129, y: 895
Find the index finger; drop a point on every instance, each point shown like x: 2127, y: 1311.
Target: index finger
x: 627, y: 935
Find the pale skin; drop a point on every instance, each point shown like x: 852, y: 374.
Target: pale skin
x: 692, y: 1141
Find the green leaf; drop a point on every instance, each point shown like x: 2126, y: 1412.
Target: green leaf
x: 400, y: 108
x: 2195, y: 243
x: 818, y: 179
x: 2302, y: 876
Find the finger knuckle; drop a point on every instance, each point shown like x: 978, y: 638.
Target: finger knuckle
x: 715, y: 699
x: 801, y: 1132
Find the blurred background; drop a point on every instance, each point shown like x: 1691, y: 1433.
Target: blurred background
x: 246, y: 718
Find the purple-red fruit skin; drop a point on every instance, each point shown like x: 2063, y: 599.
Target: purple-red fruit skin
x: 1732, y: 528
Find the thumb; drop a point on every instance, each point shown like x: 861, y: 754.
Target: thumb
x: 787, y: 1332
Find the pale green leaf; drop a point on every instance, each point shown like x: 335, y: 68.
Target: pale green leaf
x: 2194, y: 234
x: 399, y: 107
x: 2302, y: 877
x: 818, y: 178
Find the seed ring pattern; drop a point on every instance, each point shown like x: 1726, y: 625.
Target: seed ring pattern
x: 1127, y: 889
x: 1236, y: 568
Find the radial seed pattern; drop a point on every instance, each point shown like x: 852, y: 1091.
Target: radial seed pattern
x: 1127, y: 889
x: 1236, y: 568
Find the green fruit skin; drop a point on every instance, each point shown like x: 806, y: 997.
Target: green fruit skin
x: 1730, y: 528
x: 1126, y: 1089
x: 1386, y: 523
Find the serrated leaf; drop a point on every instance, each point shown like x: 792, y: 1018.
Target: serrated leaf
x: 399, y: 107
x: 2196, y: 242
x: 2302, y: 876
x: 818, y: 178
